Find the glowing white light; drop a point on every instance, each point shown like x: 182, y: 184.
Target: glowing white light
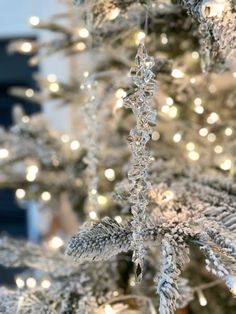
x: 155, y: 136
x: 46, y: 196
x: 169, y: 101
x: 108, y: 309
x: 45, y: 284
x: 26, y: 47
x: 164, y: 39
x: 226, y: 164
x: 31, y: 282
x: 34, y: 20
x: 20, y: 193
x: 93, y: 215
x: 31, y: 173
x: 199, y: 109
x: 86, y: 74
x: 173, y: 112
x: 102, y: 200
x: 218, y: 149
x: 84, y: 33
x: 110, y: 174
x: 25, y: 119
x: 228, y: 131
x: 192, y: 80
x: 55, y: 243
x: 112, y: 15
x: 139, y: 37
x: 120, y: 93
x: 203, y: 132
x: 202, y: 299
x: 211, y: 137
x: 195, y: 55
x: 74, y: 145
x: 52, y: 78
x: 29, y: 92
x: 190, y: 146
x: 20, y: 283
x: 119, y: 103
x: 54, y: 87
x: 132, y: 281
x: 116, y: 293
x: 65, y: 138
x: 193, y: 155
x: 234, y: 74
x: 4, y: 153
x: 177, y: 137
x: 165, y: 109
x: 197, y: 101
x: 176, y: 73
x: 93, y: 191
x: 212, y: 118
x: 80, y: 46
x: 118, y: 219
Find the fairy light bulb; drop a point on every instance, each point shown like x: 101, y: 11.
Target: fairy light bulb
x: 234, y: 74
x: 74, y: 145
x: 102, y: 200
x: 4, y: 153
x: 110, y: 174
x: 197, y: 101
x: 118, y: 219
x: 155, y: 136
x: 190, y: 146
x: 199, y: 109
x: 226, y: 165
x: 202, y: 299
x: 113, y: 14
x: 203, y: 132
x: 46, y: 284
x: 211, y: 137
x: 212, y: 118
x: 139, y: 37
x: 165, y: 109
x: 31, y: 173
x: 173, y: 112
x: 20, y: 282
x: 169, y: 101
x: 83, y: 32
x: 54, y: 87
x: 46, y: 196
x: 177, y: 73
x: 55, y: 243
x: 93, y: 215
x: 52, y: 78
x: 228, y: 131
x: 80, y: 46
x: 29, y: 92
x: 20, y: 193
x: 120, y: 93
x: 31, y: 282
x: 26, y: 47
x: 177, y: 137
x: 34, y: 20
x: 25, y: 119
x: 108, y: 309
x: 218, y: 149
x: 164, y: 39
x: 193, y: 155
x: 195, y: 55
